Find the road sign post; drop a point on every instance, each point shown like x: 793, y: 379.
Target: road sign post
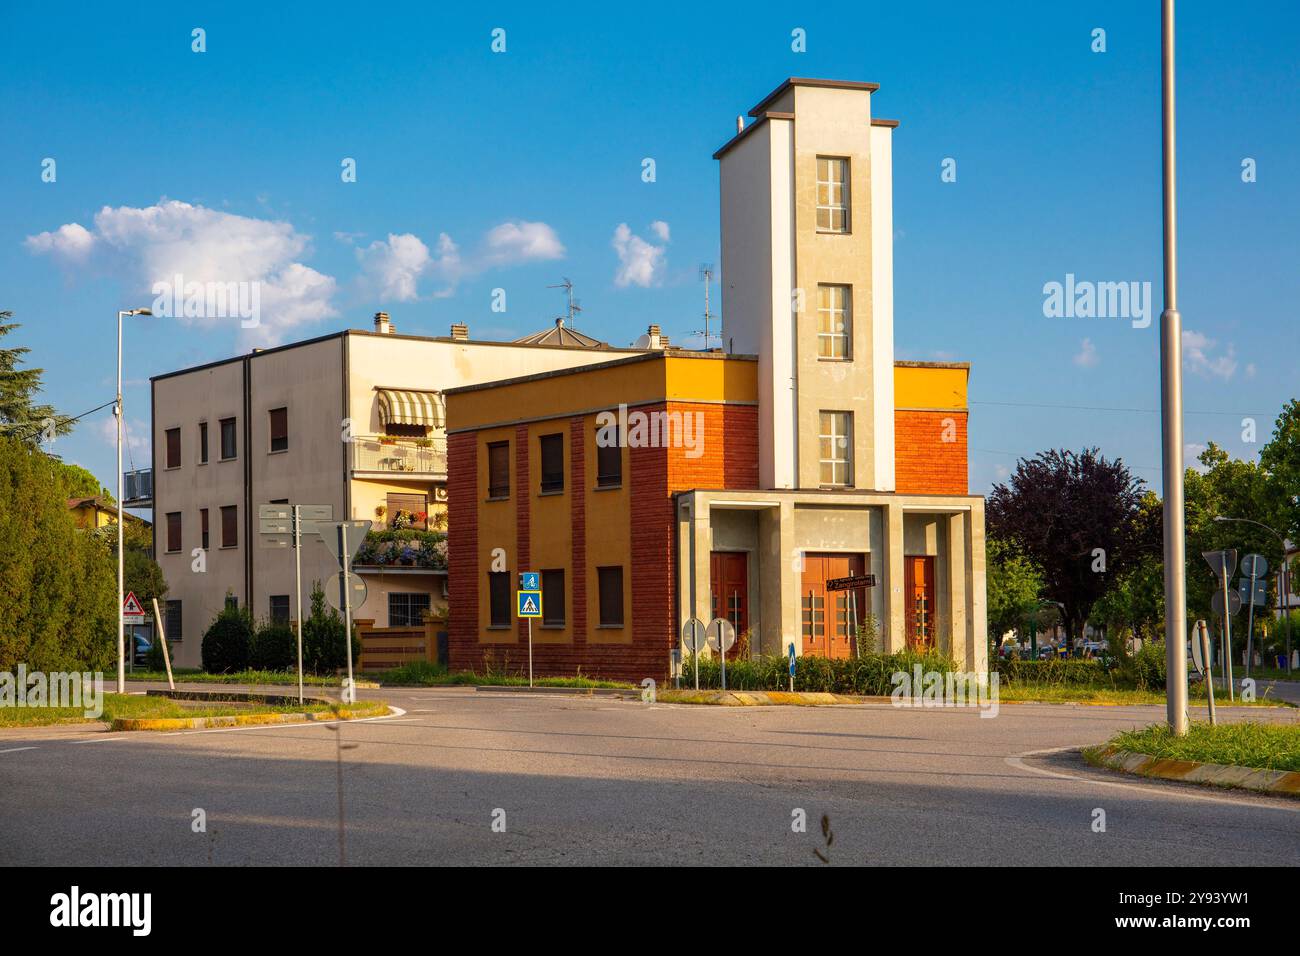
x: 1204, y: 662
x: 297, y: 590
x: 529, y: 606
x: 792, y: 667
x: 1223, y: 563
x: 693, y: 641
x: 721, y: 635
x: 282, y: 526
x: 162, y: 638
x: 1256, y: 567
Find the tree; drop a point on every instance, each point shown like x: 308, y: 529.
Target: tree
x: 1013, y: 585
x: 20, y: 416
x: 77, y: 482
x: 323, y: 649
x: 1280, y: 458
x: 1076, y: 516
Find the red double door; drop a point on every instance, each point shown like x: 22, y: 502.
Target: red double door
x: 729, y: 587
x: 828, y: 616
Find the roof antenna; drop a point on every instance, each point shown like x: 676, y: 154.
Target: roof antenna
x: 707, y: 273
x: 574, y: 307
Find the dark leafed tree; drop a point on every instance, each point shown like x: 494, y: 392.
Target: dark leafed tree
x: 1078, y: 517
x: 20, y: 416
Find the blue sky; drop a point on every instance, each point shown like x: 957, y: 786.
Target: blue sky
x: 529, y: 161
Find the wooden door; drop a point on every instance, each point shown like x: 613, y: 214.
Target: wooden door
x: 729, y: 592
x: 827, y: 616
x: 919, y: 606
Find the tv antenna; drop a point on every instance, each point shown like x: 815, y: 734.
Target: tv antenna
x: 574, y: 307
x: 707, y: 273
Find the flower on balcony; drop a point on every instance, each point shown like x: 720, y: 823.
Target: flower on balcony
x: 409, y: 546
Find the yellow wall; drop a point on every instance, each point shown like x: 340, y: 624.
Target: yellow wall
x: 930, y: 386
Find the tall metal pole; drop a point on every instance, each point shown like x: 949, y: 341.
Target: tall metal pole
x: 347, y: 606
x: 121, y: 560
x: 1171, y: 408
x: 1250, y: 620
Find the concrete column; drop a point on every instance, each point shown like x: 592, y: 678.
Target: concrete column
x: 791, y: 576
x: 976, y: 607
x: 955, y: 554
x: 894, y: 621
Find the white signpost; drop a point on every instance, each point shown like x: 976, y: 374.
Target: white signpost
x: 344, y: 540
x: 721, y: 635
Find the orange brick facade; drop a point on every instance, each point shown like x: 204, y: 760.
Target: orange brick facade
x: 925, y: 462
x: 729, y: 460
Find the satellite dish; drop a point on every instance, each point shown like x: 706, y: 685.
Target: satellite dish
x: 643, y: 342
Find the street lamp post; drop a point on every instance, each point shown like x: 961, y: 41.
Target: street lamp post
x: 1283, y: 582
x: 121, y: 559
x: 1171, y: 407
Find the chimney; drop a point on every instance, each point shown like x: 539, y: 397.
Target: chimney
x: 459, y: 331
x: 382, y: 325
x: 653, y: 336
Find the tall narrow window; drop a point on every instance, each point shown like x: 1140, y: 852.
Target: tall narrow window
x: 279, y: 429
x: 203, y: 527
x: 173, y: 448
x: 609, y: 457
x: 229, y: 526
x: 837, y: 449
x: 832, y: 194
x: 553, y: 598
x: 552, y: 462
x: 228, y: 445
x: 172, y: 620
x: 279, y: 609
x: 610, y: 582
x: 173, y: 531
x: 498, y: 469
x: 834, y: 321
x: 499, y: 598
x: 203, y: 443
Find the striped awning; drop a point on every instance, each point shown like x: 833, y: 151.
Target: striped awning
x: 411, y: 407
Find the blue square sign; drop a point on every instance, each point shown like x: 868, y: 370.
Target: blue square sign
x: 530, y: 604
x: 529, y: 581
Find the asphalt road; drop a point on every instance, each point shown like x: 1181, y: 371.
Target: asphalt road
x: 600, y: 781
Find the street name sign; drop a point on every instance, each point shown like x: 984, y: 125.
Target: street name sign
x: 851, y: 582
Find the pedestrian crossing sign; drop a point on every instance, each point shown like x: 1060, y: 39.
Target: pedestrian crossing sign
x: 530, y: 603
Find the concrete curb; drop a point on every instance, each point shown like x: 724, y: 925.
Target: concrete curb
x: 1283, y: 782
x: 566, y: 691
x: 760, y: 698
x: 234, y: 720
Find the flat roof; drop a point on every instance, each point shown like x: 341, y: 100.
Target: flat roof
x: 810, y: 81
x: 965, y: 365
x: 645, y: 356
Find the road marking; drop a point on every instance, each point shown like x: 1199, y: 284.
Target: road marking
x: 1018, y: 762
x: 14, y: 750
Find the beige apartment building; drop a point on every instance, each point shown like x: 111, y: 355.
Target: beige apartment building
x: 354, y: 420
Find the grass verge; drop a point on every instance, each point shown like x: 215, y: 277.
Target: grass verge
x: 428, y: 674
x: 195, y: 676
x: 132, y: 707
x: 1085, y: 694
x: 1263, y: 746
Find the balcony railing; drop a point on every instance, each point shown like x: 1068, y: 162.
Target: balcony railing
x: 399, y: 456
x: 137, y: 491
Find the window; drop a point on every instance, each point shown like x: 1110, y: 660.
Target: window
x: 279, y: 609
x: 279, y: 429
x: 499, y: 469
x: 203, y: 443
x: 406, y: 609
x: 837, y: 449
x: 172, y: 621
x: 408, y: 511
x: 173, y: 531
x: 228, y: 446
x: 832, y: 194
x: 834, y: 321
x: 609, y: 459
x: 553, y: 598
x: 552, y: 463
x: 173, y: 448
x: 203, y: 528
x: 499, y: 598
x: 610, y: 582
x: 229, y: 526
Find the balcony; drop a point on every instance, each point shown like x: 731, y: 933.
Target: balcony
x: 137, y: 488
x: 381, y: 456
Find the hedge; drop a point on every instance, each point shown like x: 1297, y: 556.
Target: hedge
x: 870, y: 675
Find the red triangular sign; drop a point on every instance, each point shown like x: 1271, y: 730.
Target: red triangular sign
x: 131, y: 607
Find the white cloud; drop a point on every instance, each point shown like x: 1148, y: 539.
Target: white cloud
x: 1199, y: 356
x: 512, y: 243
x: 1250, y: 370
x: 660, y: 229
x: 135, y: 435
x: 1087, y: 355
x: 640, y: 262
x: 392, y: 268
x: 156, y: 243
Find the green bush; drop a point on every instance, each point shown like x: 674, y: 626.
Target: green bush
x: 153, y: 658
x: 1147, y: 668
x: 870, y: 675
x: 226, y: 643
x: 274, y: 647
x: 323, y: 648
x: 1056, y: 672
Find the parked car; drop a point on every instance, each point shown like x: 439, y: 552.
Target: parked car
x: 141, y: 647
